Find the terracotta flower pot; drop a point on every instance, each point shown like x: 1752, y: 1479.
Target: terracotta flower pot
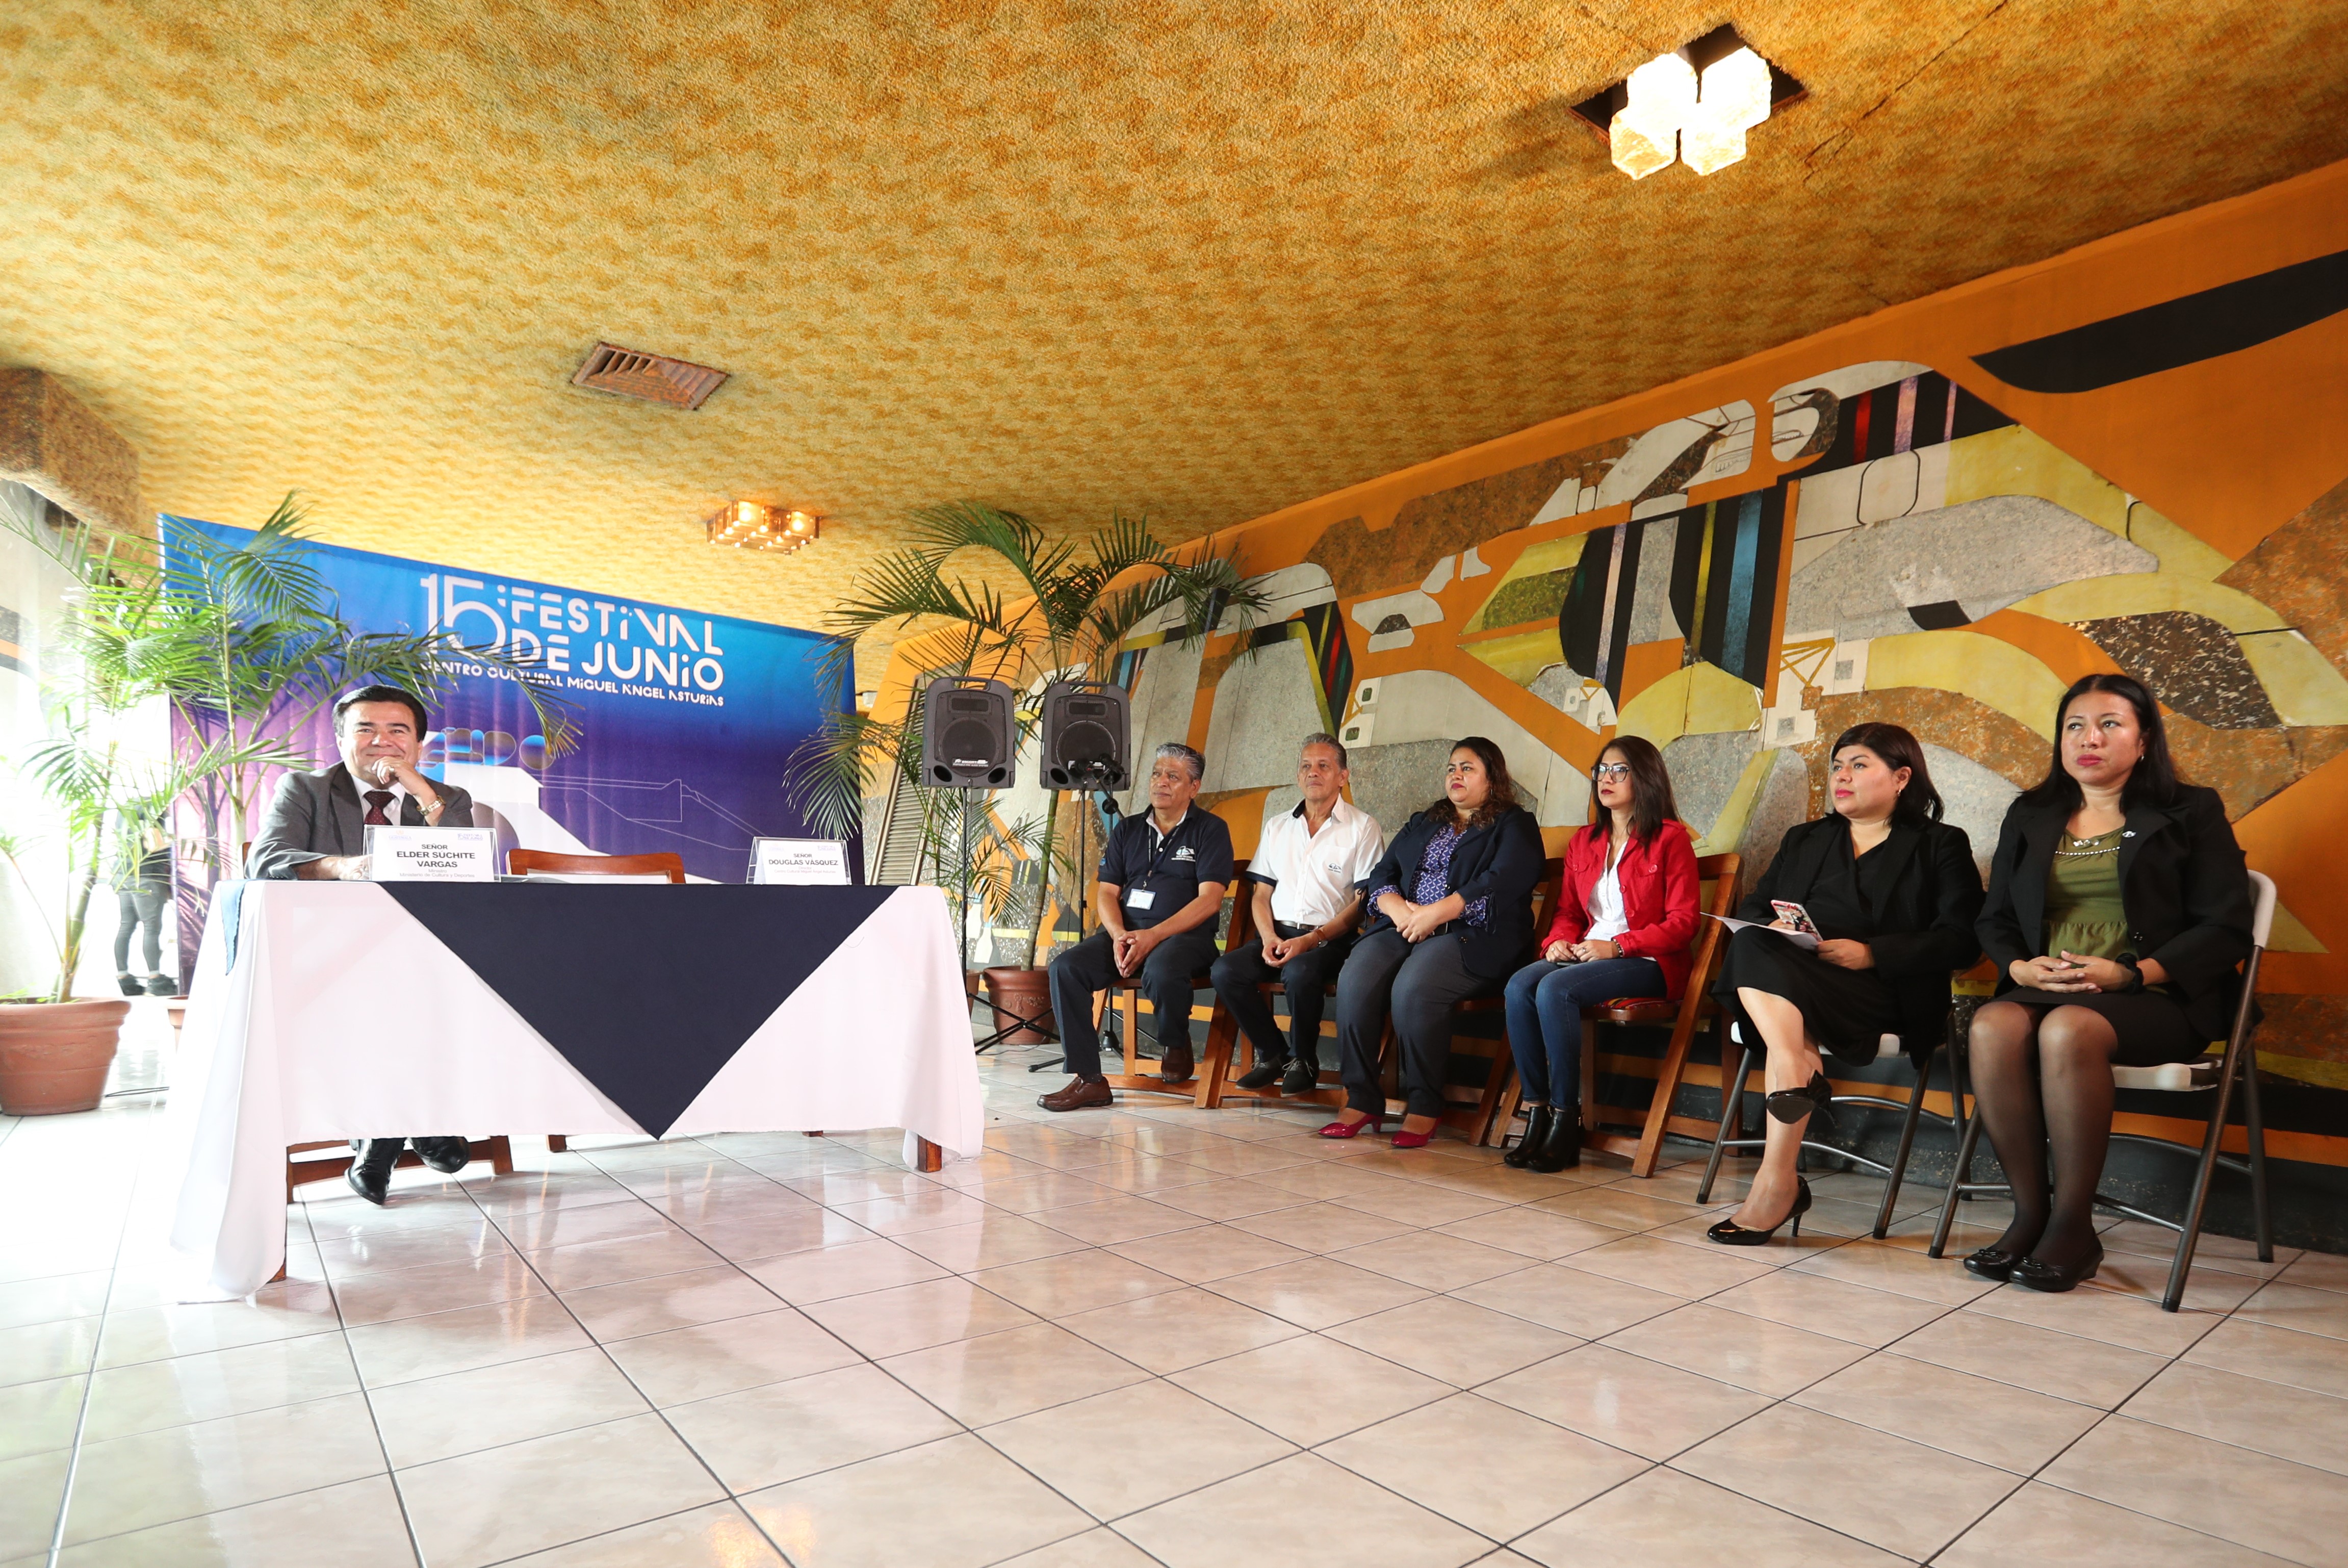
x: 1020, y: 994
x: 54, y: 1056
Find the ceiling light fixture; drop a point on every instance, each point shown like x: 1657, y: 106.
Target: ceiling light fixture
x: 754, y: 525
x: 1645, y: 134
x: 1735, y: 99
x: 1691, y: 105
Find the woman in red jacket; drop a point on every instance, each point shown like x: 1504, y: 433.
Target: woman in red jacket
x: 1626, y: 918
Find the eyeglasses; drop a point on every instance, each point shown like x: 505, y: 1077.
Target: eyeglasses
x: 1611, y: 770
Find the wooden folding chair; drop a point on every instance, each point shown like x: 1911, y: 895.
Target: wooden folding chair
x: 659, y: 862
x: 1217, y: 1068
x: 1220, y: 1026
x: 2216, y: 1072
x: 1694, y: 1010
x: 1469, y: 1108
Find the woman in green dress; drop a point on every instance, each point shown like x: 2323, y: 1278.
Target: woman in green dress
x: 2118, y: 908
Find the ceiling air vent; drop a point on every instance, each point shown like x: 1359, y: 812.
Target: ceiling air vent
x: 655, y: 377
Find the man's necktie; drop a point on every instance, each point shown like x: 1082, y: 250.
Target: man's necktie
x: 378, y: 801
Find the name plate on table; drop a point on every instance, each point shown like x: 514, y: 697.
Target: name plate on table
x: 799, y: 863
x: 432, y: 855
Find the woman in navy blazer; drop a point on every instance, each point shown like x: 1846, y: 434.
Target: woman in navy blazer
x: 2118, y: 908
x: 1451, y: 917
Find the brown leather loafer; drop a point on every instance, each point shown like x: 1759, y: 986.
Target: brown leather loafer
x: 1177, y: 1067
x: 1077, y: 1094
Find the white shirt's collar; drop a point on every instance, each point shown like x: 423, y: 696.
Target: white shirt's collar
x: 1341, y: 810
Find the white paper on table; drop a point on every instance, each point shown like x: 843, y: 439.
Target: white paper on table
x: 1798, y: 938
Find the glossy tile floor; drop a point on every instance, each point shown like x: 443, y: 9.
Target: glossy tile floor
x: 1142, y: 1336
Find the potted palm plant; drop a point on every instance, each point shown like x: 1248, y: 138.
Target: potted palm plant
x: 244, y: 642
x: 56, y: 1048
x: 1083, y: 597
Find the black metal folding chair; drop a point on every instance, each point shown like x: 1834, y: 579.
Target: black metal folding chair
x: 2214, y: 1072
x: 1911, y: 1109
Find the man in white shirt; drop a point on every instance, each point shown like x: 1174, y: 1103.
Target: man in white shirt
x: 1306, y: 907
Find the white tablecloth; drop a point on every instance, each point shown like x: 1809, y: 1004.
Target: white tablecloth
x: 343, y: 1016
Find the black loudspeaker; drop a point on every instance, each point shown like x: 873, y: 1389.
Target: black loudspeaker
x: 1086, y: 738
x: 969, y: 737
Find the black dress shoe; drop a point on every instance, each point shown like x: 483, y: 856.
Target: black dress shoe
x: 1561, y: 1146
x: 371, y: 1161
x: 1303, y: 1078
x: 1990, y: 1262
x: 1261, y: 1075
x: 1537, y: 1122
x: 446, y: 1155
x: 2032, y: 1275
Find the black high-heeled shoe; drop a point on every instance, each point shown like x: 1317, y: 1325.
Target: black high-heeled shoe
x: 1537, y: 1122
x: 1729, y: 1233
x: 2032, y: 1275
x: 1813, y: 1098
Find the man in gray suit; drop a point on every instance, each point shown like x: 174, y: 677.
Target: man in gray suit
x: 315, y: 830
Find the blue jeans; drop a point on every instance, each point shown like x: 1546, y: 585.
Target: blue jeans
x: 1545, y: 1003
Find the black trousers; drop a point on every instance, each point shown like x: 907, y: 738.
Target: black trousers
x: 1420, y: 984
x: 1240, y: 972
x: 1091, y: 965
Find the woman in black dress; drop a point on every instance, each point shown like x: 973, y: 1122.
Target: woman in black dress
x: 2118, y: 908
x: 1893, y: 892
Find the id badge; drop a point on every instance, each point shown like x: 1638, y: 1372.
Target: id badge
x: 1139, y: 898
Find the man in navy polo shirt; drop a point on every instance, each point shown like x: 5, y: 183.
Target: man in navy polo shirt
x: 1162, y: 877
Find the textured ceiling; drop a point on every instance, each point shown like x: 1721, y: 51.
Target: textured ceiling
x: 1200, y: 261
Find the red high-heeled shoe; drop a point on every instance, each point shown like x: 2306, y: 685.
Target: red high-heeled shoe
x: 1370, y: 1123
x: 1405, y: 1139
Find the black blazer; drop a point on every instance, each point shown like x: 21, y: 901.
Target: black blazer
x: 2185, y: 890
x: 1500, y: 860
x: 1925, y: 931
x: 314, y: 815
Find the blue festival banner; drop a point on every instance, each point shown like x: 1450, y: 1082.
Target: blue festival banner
x: 684, y: 721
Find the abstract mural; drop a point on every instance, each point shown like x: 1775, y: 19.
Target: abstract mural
x: 2132, y: 458
x: 1896, y: 543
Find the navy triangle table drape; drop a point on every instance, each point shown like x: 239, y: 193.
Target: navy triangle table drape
x: 648, y: 990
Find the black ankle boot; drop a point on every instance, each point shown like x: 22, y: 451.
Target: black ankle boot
x: 371, y: 1163
x: 1561, y: 1148
x: 1537, y: 1122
